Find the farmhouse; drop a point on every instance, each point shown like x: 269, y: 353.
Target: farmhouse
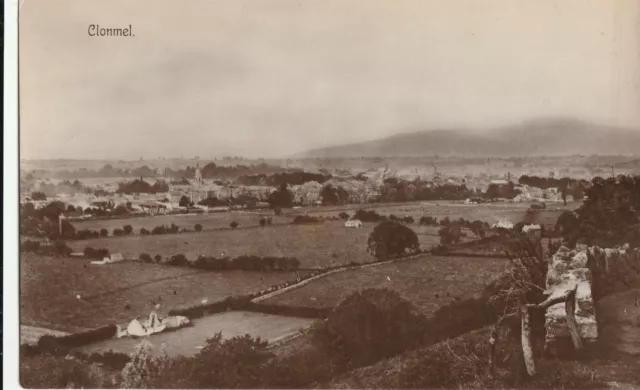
x: 353, y: 223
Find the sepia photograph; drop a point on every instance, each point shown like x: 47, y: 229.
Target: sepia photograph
x: 327, y: 194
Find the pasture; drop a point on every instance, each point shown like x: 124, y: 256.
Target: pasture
x: 486, y: 212
x: 321, y: 245
x: 209, y: 221
x: 429, y: 282
x: 188, y: 341
x: 116, y: 293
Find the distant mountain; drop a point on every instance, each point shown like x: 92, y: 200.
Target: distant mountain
x: 632, y: 165
x: 551, y: 137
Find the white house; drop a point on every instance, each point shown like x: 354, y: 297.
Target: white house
x: 353, y: 223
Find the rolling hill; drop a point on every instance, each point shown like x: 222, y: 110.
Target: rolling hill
x: 550, y: 137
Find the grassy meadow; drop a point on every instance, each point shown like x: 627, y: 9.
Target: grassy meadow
x: 116, y: 293
x: 326, y: 244
x: 429, y: 282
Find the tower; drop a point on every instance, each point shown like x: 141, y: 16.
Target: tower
x: 198, y: 174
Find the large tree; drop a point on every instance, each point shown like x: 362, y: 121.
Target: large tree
x: 392, y: 239
x: 609, y: 216
x: 281, y: 198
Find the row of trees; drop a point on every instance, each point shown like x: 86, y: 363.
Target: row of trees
x: 398, y: 190
x: 551, y: 182
x: 608, y: 217
x: 139, y: 186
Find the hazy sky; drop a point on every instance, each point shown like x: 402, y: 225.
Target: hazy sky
x: 269, y: 78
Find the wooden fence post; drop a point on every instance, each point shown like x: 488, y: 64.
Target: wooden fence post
x: 527, y: 346
x: 572, y: 324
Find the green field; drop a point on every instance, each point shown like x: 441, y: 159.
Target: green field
x: 429, y: 282
x: 48, y: 289
x: 208, y: 221
x: 325, y: 244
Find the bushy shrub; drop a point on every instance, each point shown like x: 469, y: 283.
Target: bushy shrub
x: 479, y: 228
x: 234, y: 224
x: 178, y: 260
x: 239, y: 363
x: 144, y: 369
x: 68, y: 231
x: 86, y: 234
x: 144, y: 232
x: 344, y: 216
x: 408, y: 219
x: 127, y: 229
x: 118, y: 232
x: 263, y: 221
x: 369, y: 216
x: 373, y: 324
x: 104, y: 232
x: 197, y: 227
x: 145, y: 257
x: 159, y: 230
x: 113, y: 360
x: 428, y: 221
x: 46, y: 372
x: 37, y: 195
x: 451, y: 233
x: 392, y: 239
x: 61, y: 248
x: 157, y: 258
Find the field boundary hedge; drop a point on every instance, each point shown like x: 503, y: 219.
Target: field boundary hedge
x: 50, y: 343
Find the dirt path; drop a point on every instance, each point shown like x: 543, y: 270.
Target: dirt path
x: 619, y: 323
x: 617, y: 351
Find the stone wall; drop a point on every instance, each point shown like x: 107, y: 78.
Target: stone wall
x: 568, y: 268
x: 596, y: 272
